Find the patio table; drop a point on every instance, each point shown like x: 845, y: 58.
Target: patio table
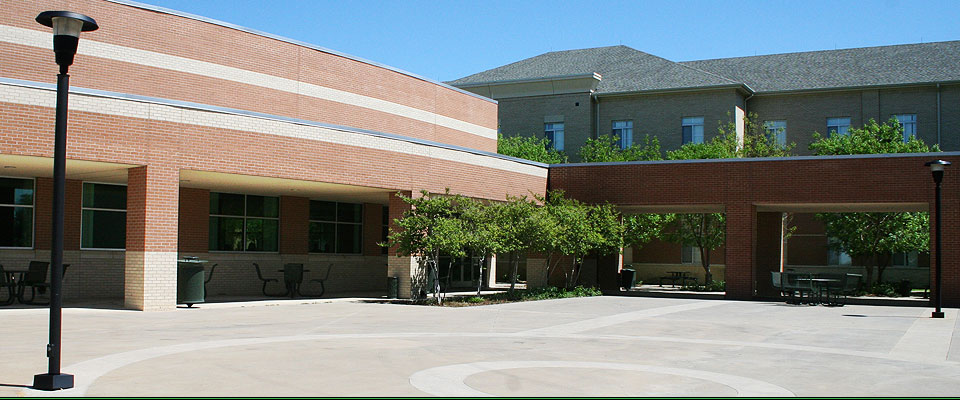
x: 821, y: 285
x: 293, y: 286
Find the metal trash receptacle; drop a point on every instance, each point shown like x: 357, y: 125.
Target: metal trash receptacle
x: 190, y: 283
x: 628, y: 278
x: 393, y: 287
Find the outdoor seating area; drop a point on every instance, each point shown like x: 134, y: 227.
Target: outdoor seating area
x: 681, y: 277
x: 293, y: 276
x: 831, y: 289
x: 18, y: 281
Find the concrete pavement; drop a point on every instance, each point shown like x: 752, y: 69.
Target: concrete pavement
x: 602, y: 346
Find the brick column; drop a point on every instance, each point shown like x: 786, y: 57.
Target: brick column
x: 412, y: 276
x: 491, y: 278
x: 372, y: 229
x: 769, y: 251
x: 194, y: 210
x: 950, y: 262
x: 739, y: 258
x: 294, y: 225
x: 150, y: 272
x: 608, y: 272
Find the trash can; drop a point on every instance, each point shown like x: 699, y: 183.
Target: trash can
x: 628, y: 277
x: 393, y: 287
x: 190, y: 282
x: 904, y: 288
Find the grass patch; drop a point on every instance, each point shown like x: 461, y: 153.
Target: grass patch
x: 546, y: 293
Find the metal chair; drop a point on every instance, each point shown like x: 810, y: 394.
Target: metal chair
x: 36, y: 279
x: 266, y: 281
x: 209, y: 276
x: 791, y: 284
x: 322, y: 280
x: 6, y: 282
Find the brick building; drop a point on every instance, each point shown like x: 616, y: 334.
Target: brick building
x: 241, y: 147
x: 570, y: 96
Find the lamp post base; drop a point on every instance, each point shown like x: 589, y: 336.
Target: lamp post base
x: 52, y: 382
x: 936, y: 314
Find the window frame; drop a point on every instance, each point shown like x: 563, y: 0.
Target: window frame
x: 627, y: 128
x: 84, y: 208
x: 552, y: 142
x: 33, y: 214
x: 336, y: 232
x: 684, y: 123
x: 769, y: 129
x: 916, y: 132
x: 847, y: 126
x: 245, y: 217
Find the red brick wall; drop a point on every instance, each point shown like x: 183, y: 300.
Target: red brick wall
x: 194, y: 232
x: 739, y: 185
x: 152, y: 209
x: 294, y: 225
x: 372, y: 229
x: 43, y: 216
x: 182, y: 37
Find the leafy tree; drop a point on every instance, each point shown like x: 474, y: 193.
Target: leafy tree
x: 520, y: 229
x: 606, y: 148
x: 483, y: 233
x: 640, y: 229
x: 706, y: 232
x: 430, y: 228
x: 875, y: 236
x: 529, y: 148
x: 757, y: 142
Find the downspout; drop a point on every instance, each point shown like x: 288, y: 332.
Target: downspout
x: 597, y: 133
x: 938, y: 115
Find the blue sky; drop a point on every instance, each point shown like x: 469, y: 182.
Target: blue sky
x: 445, y: 40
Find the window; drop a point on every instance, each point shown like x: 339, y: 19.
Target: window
x: 386, y: 229
x: 335, y: 227
x: 838, y: 126
x: 240, y: 222
x: 623, y: 130
x: 905, y: 259
x: 837, y: 257
x: 690, y: 255
x: 692, y: 128
x: 103, y: 224
x: 16, y: 212
x: 554, y: 133
x: 777, y: 131
x: 909, y: 124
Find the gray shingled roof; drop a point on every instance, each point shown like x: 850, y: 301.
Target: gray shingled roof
x: 623, y: 70
x: 867, y: 66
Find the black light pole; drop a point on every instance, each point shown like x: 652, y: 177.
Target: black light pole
x: 936, y: 167
x: 66, y: 34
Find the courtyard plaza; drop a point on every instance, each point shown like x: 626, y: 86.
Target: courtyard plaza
x: 594, y: 346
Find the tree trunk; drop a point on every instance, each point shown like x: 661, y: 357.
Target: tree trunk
x: 514, y: 264
x: 883, y: 260
x: 705, y: 261
x: 480, y: 276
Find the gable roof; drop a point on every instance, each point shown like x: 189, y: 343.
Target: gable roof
x: 622, y: 69
x: 866, y: 66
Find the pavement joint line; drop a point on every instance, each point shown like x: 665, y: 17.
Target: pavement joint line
x: 927, y: 338
x: 616, y: 319
x: 449, y: 380
x: 87, y: 372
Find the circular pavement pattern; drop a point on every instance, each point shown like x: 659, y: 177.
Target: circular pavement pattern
x: 450, y: 380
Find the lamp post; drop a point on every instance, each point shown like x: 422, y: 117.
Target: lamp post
x: 66, y: 34
x: 936, y: 168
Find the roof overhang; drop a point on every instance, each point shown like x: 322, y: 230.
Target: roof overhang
x: 739, y: 87
x: 551, y: 85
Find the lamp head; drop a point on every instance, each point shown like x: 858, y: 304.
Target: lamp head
x: 937, y: 165
x: 66, y: 33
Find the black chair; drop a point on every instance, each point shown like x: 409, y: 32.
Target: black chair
x: 322, y: 280
x: 265, y: 282
x: 36, y: 279
x: 293, y: 277
x: 205, y: 281
x: 6, y: 282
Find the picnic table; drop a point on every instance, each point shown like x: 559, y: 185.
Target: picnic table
x: 678, y: 276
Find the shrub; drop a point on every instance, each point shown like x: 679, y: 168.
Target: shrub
x: 884, y: 289
x: 713, y: 286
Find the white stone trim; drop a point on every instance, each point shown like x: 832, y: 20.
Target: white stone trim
x: 136, y: 109
x: 150, y: 280
x: 42, y: 39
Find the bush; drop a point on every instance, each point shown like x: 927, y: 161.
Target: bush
x: 884, y: 289
x: 713, y: 286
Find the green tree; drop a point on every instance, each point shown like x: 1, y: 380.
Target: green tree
x: 757, y: 142
x: 606, y: 148
x: 483, y: 233
x: 640, y: 229
x: 874, y: 236
x: 520, y: 229
x: 706, y: 232
x: 529, y: 148
x: 431, y: 227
